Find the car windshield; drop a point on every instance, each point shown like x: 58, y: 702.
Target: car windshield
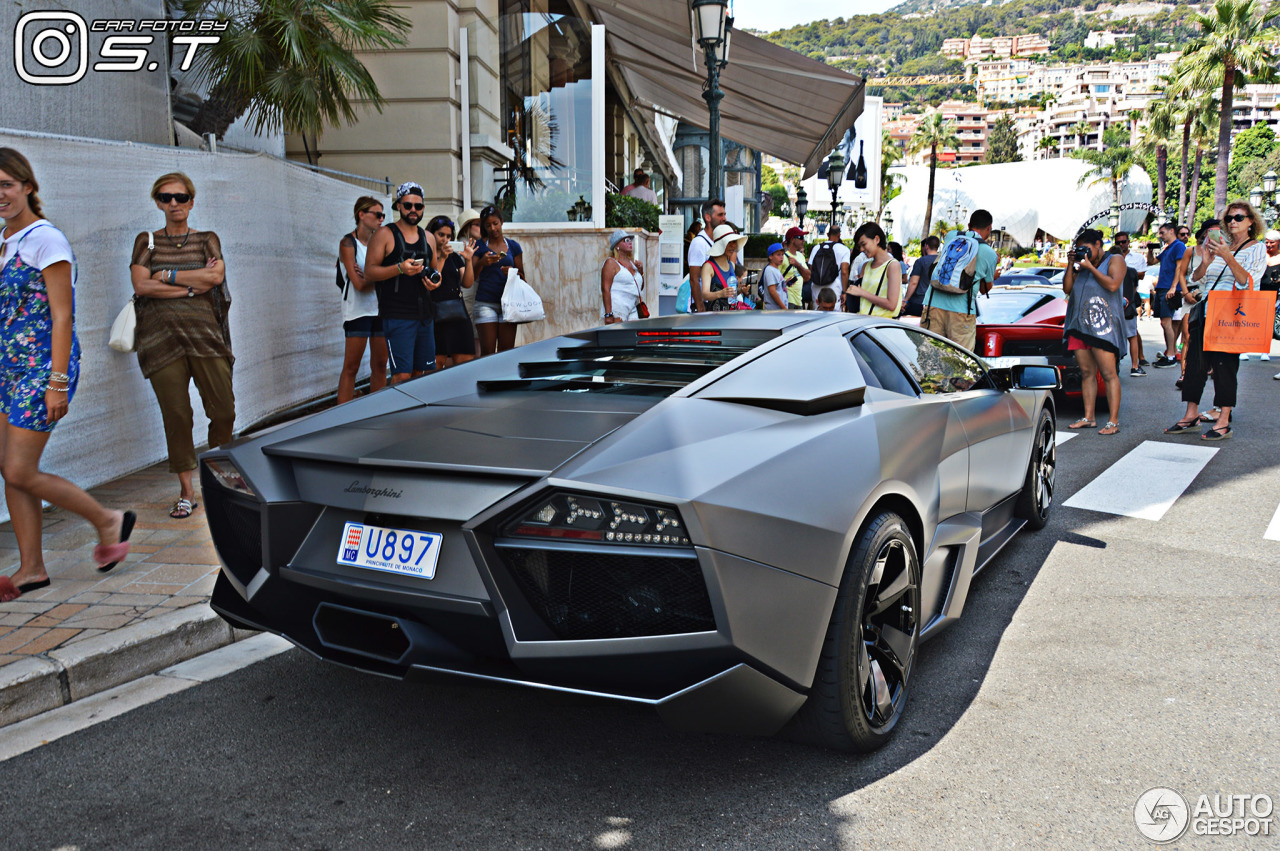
x: 1005, y: 307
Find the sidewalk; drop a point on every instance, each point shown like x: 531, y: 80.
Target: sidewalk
x: 89, y: 631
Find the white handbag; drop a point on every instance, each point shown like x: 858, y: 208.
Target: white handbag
x: 520, y: 302
x: 124, y: 329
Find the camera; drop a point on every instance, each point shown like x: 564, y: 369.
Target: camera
x: 1081, y: 252
x: 432, y: 275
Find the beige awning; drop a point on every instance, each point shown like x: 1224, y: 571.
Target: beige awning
x: 776, y: 101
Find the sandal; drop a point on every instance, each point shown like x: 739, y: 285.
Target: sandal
x: 1082, y: 423
x: 1216, y: 434
x: 1211, y: 415
x: 182, y: 508
x: 1184, y: 426
x: 1110, y: 428
x: 109, y: 555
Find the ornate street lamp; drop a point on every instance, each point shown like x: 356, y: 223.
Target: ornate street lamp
x: 713, y: 24
x: 802, y: 204
x: 1269, y: 182
x: 1113, y: 217
x: 1255, y: 196
x: 888, y: 225
x: 835, y: 176
x: 1264, y: 199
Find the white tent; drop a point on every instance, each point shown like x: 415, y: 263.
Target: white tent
x: 1022, y: 197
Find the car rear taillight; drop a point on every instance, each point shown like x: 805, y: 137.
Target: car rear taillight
x: 581, y: 517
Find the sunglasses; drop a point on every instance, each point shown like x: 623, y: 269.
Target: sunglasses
x: 166, y: 197
x: 417, y: 208
x: 1238, y: 217
x: 380, y: 216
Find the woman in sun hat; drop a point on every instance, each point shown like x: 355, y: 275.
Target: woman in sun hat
x: 720, y: 287
x: 621, y: 281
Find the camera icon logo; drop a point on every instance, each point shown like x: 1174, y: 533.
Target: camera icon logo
x: 51, y: 40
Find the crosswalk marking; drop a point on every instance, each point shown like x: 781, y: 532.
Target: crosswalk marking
x: 1064, y: 436
x: 1273, y: 528
x: 1145, y: 482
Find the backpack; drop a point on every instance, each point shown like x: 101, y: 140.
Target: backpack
x: 917, y: 298
x: 684, y: 297
x: 953, y: 271
x: 342, y: 282
x: 824, y: 270
x: 1130, y: 291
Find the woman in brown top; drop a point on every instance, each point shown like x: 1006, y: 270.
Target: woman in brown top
x: 182, y: 331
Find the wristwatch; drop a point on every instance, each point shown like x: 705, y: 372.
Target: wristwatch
x: 608, y: 316
x: 190, y: 292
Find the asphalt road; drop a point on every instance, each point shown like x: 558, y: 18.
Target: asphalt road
x: 1096, y: 659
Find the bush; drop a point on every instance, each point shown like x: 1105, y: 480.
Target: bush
x: 758, y: 244
x: 623, y: 211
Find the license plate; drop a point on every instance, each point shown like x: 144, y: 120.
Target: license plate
x: 404, y: 551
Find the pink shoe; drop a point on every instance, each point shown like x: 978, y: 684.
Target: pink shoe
x: 109, y: 555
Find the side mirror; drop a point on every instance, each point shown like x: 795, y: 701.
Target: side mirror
x: 1026, y: 376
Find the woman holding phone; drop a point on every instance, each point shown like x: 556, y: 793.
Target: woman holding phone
x: 1236, y: 262
x: 494, y: 258
x: 454, y: 341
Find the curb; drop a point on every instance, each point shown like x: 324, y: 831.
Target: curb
x: 74, y: 672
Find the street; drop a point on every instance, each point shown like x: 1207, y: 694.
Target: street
x: 1097, y: 659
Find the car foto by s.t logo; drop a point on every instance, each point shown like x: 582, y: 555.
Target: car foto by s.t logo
x: 52, y: 48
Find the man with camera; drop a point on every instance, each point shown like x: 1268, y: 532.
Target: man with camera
x: 397, y: 263
x: 1094, y: 326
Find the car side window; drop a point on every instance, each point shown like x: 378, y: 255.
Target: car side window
x: 878, y: 368
x: 936, y: 365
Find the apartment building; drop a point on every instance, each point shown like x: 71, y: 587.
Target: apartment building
x: 1017, y: 80
x: 1000, y: 47
x: 1100, y: 40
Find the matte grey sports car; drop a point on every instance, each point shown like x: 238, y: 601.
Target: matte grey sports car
x: 748, y: 521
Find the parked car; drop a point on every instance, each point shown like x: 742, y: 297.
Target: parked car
x: 678, y: 512
x: 1026, y: 320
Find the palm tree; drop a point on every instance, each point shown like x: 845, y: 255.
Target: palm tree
x: 291, y: 66
x: 1154, y: 138
x: 1080, y: 130
x: 1110, y: 165
x: 1048, y: 144
x: 1234, y: 41
x: 933, y: 133
x: 1203, y: 132
x: 1187, y: 90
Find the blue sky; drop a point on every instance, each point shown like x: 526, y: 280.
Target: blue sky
x: 770, y: 15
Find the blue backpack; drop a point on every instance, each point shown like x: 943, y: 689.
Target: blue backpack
x: 954, y: 270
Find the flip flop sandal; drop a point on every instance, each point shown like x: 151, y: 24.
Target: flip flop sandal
x: 8, y: 591
x: 1206, y: 418
x: 109, y: 555
x: 1184, y: 426
x: 182, y: 509
x: 1082, y: 423
x: 1110, y: 428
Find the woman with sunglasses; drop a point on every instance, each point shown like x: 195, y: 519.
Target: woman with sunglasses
x: 360, y: 320
x: 622, y: 281
x: 1236, y: 262
x: 183, y: 334
x: 494, y: 258
x: 455, y: 342
x: 39, y: 370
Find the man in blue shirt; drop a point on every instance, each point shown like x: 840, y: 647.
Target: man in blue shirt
x: 955, y: 315
x: 1171, y: 281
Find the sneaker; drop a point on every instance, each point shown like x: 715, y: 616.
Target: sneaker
x: 1137, y: 372
x: 1144, y: 362
x: 1276, y: 376
x: 1164, y: 362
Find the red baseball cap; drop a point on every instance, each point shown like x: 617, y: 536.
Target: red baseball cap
x: 792, y: 233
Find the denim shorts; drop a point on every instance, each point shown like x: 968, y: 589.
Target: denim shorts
x: 411, y: 345
x: 1160, y: 307
x: 363, y: 326
x: 486, y: 312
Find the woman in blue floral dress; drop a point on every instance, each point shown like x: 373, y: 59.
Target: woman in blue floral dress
x: 39, y: 369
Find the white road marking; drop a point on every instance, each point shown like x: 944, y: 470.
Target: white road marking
x: 1146, y: 482
x: 1273, y: 528
x: 1064, y: 436
x: 52, y: 725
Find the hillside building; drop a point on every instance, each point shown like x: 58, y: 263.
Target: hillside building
x: 999, y: 47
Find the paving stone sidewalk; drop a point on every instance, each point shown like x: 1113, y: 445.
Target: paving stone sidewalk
x: 118, y: 624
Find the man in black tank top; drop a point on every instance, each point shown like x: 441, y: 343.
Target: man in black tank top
x: 397, y: 263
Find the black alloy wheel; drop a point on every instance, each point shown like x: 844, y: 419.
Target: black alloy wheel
x: 861, y: 684
x: 1035, y: 503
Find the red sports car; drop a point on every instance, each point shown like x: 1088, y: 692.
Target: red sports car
x: 1023, y: 316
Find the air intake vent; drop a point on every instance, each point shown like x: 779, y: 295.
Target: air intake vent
x: 237, y: 530
x: 586, y: 595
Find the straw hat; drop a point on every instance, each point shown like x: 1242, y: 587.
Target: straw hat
x: 722, y: 236
x: 467, y: 217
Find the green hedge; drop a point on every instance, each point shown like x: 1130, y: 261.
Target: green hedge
x: 623, y: 211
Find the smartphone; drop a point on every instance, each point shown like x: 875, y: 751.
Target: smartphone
x: 1214, y: 234
x: 456, y: 247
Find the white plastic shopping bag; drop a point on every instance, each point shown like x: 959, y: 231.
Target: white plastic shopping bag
x: 519, y: 301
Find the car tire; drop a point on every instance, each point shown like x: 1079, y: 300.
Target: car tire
x: 1035, y: 503
x: 861, y: 684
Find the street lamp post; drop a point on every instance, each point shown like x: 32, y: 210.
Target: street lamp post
x: 713, y: 25
x: 1113, y: 217
x: 802, y: 204
x: 1264, y: 198
x: 888, y: 225
x: 835, y: 176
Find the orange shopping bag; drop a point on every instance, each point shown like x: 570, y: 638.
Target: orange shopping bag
x: 1239, y: 321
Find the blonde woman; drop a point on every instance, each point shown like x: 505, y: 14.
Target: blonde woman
x: 183, y: 334
x: 38, y: 376
x: 622, y: 281
x: 360, y: 320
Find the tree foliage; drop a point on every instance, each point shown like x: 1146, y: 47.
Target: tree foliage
x: 1002, y: 142
x: 1112, y: 164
